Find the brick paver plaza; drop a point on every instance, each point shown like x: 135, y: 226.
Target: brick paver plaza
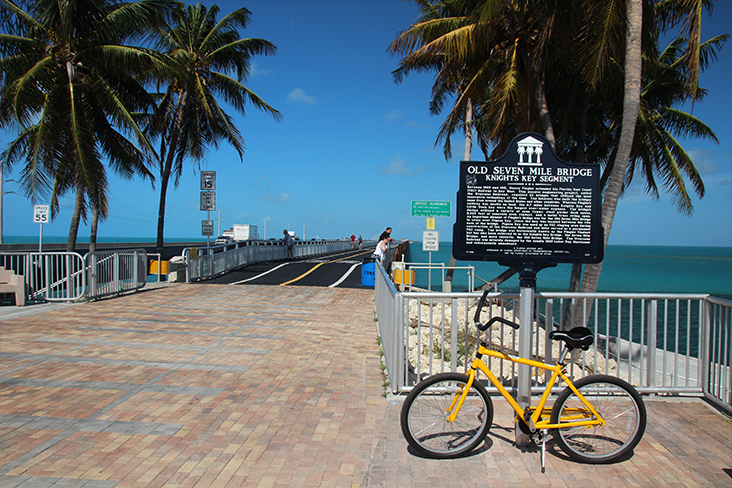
x: 244, y: 386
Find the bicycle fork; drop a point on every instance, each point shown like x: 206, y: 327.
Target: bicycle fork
x: 457, y: 400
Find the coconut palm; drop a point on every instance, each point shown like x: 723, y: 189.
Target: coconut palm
x: 207, y: 59
x: 670, y: 12
x: 490, y: 57
x: 657, y: 155
x: 70, y: 86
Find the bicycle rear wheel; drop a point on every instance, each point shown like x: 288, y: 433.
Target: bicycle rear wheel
x: 425, y: 410
x: 618, y: 403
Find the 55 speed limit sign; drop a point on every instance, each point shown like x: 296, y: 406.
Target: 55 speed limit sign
x: 41, y: 214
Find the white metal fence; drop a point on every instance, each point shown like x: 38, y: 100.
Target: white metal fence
x: 114, y: 272
x: 67, y: 276
x: 208, y: 262
x: 660, y: 343
x: 48, y: 276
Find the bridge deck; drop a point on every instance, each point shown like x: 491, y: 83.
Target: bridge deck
x: 217, y: 385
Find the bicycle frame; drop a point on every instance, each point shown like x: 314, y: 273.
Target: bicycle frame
x: 539, y: 416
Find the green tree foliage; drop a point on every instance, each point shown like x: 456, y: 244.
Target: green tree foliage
x: 207, y: 62
x: 579, y: 72
x: 71, y: 85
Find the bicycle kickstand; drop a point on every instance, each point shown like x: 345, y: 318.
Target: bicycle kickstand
x: 544, y: 435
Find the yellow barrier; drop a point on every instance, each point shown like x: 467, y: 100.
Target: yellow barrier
x: 163, y: 267
x: 403, y: 277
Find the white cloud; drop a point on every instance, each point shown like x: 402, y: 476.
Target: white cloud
x: 417, y: 125
x: 256, y: 70
x: 280, y: 197
x: 397, y: 167
x: 394, y: 115
x: 703, y: 160
x: 298, y: 95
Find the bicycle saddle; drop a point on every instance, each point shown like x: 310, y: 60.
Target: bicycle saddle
x: 581, y: 337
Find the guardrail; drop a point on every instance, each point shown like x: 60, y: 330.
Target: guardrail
x: 114, y: 272
x: 67, y: 276
x: 660, y: 343
x: 48, y: 276
x: 208, y: 262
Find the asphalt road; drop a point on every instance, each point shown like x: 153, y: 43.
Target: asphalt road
x: 341, y: 269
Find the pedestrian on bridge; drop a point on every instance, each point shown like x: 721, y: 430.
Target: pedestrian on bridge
x: 289, y: 242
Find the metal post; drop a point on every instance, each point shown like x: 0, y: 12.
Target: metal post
x: 208, y: 238
x: 454, y: 335
x: 429, y: 274
x: 652, y: 334
x: 523, y: 398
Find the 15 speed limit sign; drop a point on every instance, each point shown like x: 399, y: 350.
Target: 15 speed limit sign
x: 41, y: 214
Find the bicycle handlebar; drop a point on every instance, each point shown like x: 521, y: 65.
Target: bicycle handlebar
x: 484, y: 327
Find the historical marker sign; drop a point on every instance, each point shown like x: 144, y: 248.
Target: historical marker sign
x: 528, y: 206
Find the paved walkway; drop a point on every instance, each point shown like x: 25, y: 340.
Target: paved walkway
x: 244, y: 386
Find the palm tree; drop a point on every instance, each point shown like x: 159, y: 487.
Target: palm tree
x: 202, y: 56
x: 516, y: 59
x: 492, y: 54
x: 669, y: 12
x: 70, y: 85
x: 656, y: 153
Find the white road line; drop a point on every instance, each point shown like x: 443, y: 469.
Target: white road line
x: 260, y: 275
x: 343, y: 278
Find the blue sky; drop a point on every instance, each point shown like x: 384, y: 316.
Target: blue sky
x: 354, y: 149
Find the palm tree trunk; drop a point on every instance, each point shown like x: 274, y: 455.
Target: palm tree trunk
x: 631, y: 104
x: 166, y: 171
x: 75, y: 218
x: 94, y: 227
x: 541, y: 104
x: 468, y: 149
x: 164, y: 179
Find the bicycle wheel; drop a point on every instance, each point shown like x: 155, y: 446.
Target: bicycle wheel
x: 617, y: 403
x: 425, y: 410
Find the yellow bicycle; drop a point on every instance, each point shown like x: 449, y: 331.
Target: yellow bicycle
x: 596, y: 419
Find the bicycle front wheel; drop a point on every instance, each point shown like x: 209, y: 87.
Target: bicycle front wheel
x: 620, y: 406
x: 424, y: 416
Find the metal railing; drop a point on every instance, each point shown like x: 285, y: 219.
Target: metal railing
x: 48, y: 276
x: 208, y: 262
x: 660, y: 343
x: 442, y: 269
x: 67, y: 276
x: 114, y: 272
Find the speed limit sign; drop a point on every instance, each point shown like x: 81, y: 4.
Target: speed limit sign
x: 41, y: 214
x: 208, y: 180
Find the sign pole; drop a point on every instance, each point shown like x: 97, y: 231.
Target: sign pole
x: 429, y: 276
x: 40, y: 216
x: 430, y: 242
x: 208, y: 198
x: 528, y: 210
x: 527, y: 287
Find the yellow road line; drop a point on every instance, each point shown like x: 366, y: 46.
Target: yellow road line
x: 318, y: 266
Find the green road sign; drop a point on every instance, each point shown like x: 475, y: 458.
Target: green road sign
x: 423, y: 208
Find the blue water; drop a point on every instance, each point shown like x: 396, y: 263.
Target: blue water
x: 85, y: 239
x: 632, y: 269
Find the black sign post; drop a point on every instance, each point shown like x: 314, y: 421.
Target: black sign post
x: 528, y: 210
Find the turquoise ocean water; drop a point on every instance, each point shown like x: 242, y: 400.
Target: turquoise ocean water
x: 85, y: 239
x: 632, y: 269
